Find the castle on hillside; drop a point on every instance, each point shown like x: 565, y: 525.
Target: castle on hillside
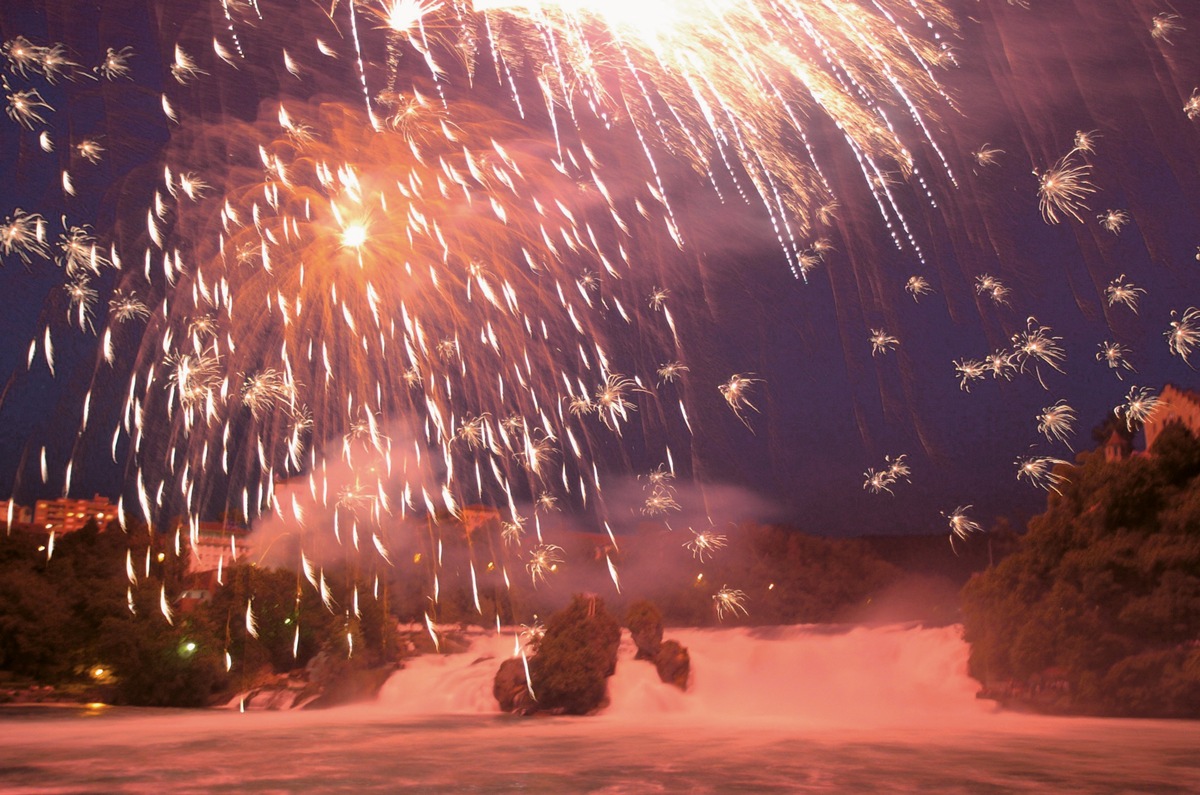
x: 1174, y: 405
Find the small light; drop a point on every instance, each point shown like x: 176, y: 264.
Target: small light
x: 699, y: 576
x: 417, y: 558
x: 162, y: 556
x: 771, y: 587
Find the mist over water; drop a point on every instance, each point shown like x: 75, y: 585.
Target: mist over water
x: 783, y: 709
x: 801, y: 675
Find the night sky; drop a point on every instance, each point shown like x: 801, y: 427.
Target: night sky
x: 1027, y: 80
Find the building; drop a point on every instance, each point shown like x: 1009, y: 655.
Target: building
x: 216, y: 545
x: 65, y: 515
x: 1118, y: 447
x: 12, y: 514
x: 1174, y: 405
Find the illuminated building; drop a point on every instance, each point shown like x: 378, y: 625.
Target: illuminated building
x: 65, y: 515
x: 216, y: 544
x: 20, y: 514
x: 1174, y: 405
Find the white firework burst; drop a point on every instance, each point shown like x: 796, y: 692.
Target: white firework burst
x: 1114, y: 355
x: 1035, y: 345
x: 882, y: 342
x: 1118, y: 292
x: 24, y: 234
x: 704, y: 543
x: 543, y: 561
x: 1113, y: 220
x: 1184, y: 334
x: 969, y: 370
x: 1138, y: 407
x: 116, y: 64
x: 736, y: 393
x: 918, y: 286
x: 987, y: 155
x: 729, y: 601
x: 1063, y: 189
x: 961, y: 525
x: 986, y: 284
x: 1057, y: 422
x: 1039, y: 471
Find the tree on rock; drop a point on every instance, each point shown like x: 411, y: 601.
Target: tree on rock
x: 645, y: 622
x: 673, y: 663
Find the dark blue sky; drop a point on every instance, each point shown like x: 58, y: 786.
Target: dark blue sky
x: 1028, y: 80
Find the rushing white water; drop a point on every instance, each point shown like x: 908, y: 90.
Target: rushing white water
x: 806, y: 675
x: 790, y: 709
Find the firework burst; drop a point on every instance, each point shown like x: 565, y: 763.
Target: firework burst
x: 1039, y: 471
x: 1063, y: 189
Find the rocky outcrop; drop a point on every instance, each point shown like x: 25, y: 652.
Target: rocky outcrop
x: 645, y: 624
x: 511, y: 687
x: 674, y: 664
x: 570, y: 665
x: 671, y: 659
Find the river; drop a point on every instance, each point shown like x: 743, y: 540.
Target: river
x: 791, y: 709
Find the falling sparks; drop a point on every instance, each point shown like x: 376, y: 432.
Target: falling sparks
x: 339, y: 271
x: 164, y: 606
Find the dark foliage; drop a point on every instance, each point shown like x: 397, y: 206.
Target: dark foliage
x: 1099, y: 609
x: 159, y: 665
x: 575, y: 657
x: 645, y: 623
